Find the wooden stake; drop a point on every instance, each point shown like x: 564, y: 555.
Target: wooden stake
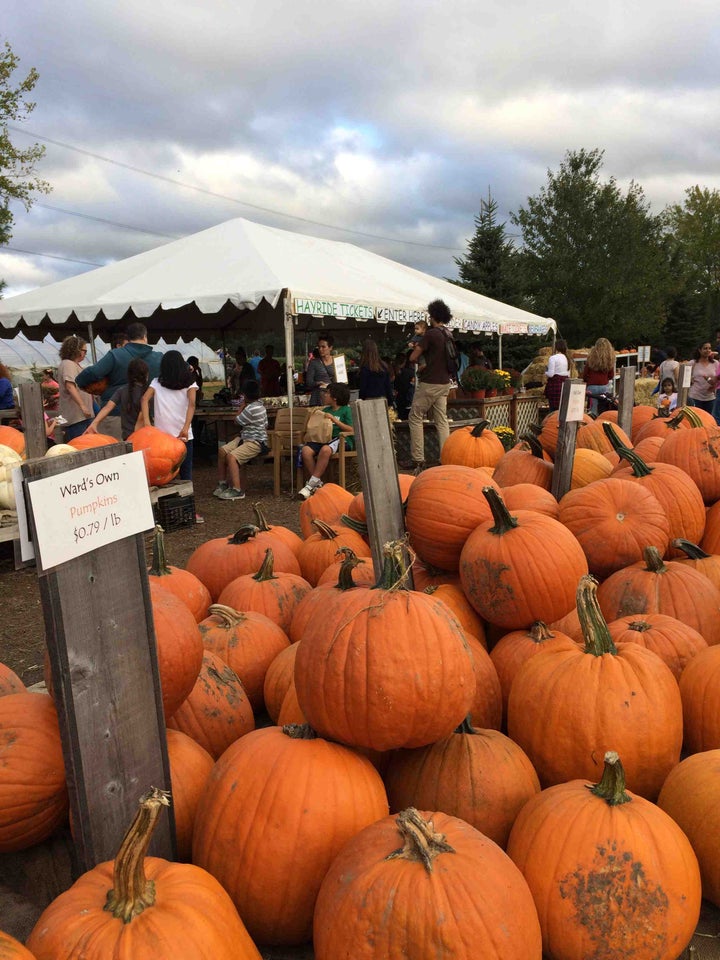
x: 572, y: 405
x: 626, y: 398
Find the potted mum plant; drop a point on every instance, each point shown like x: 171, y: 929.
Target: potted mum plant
x: 477, y: 381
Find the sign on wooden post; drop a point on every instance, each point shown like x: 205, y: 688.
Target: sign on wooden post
x: 684, y: 379
x: 626, y: 398
x: 378, y: 475
x: 33, y: 419
x: 570, y: 414
x: 101, y: 642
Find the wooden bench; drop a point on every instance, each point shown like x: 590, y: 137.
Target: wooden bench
x: 340, y: 458
x: 284, y: 439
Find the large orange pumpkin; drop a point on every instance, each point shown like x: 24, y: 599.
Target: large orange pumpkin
x: 474, y: 446
x: 278, y: 679
x: 386, y: 667
x: 700, y: 692
x: 87, y: 441
x: 568, y: 706
x: 320, y: 602
x: 550, y: 430
x: 476, y: 774
x: 697, y: 452
x: 12, y: 949
x: 217, y: 711
x: 33, y: 796
x: 693, y: 556
x: 515, y: 570
x: 10, y: 682
x: 319, y: 550
x: 530, y: 496
x: 674, y: 642
x: 162, y: 452
x: 142, y: 907
x: 453, y: 597
x: 272, y: 861
x: 288, y: 536
x: 589, y: 465
x: 328, y: 504
x: 190, y: 767
x: 275, y: 595
x: 452, y: 891
x: 15, y: 439
x: 486, y: 708
x: 691, y: 796
x: 185, y: 585
x: 610, y: 873
x: 524, y: 464
x: 179, y: 647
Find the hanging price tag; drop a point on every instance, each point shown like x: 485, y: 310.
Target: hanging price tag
x: 576, y: 403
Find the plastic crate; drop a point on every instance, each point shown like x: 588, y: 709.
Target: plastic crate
x: 175, y: 511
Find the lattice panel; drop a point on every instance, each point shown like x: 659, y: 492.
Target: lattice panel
x: 527, y: 414
x: 498, y: 413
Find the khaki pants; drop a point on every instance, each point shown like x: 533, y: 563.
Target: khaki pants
x: 429, y: 397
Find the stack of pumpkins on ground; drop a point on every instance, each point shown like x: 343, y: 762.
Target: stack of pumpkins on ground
x: 163, y: 455
x: 386, y: 699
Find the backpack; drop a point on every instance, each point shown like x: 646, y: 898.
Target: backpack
x: 452, y: 356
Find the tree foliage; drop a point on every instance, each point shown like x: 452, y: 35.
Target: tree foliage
x: 18, y: 178
x: 693, y: 229
x: 490, y: 265
x: 593, y: 257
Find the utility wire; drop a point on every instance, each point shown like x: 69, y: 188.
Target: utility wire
x: 112, y: 223
x: 51, y: 256
x: 221, y: 196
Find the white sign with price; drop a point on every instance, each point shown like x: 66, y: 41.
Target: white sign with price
x: 88, y: 507
x: 576, y: 403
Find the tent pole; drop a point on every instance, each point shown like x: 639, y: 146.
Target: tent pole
x: 224, y: 353
x: 289, y: 368
x: 500, y: 351
x: 91, y: 341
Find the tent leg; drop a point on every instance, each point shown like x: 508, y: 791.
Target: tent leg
x: 91, y: 341
x: 289, y: 370
x: 499, y: 366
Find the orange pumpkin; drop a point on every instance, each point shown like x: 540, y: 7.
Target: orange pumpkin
x: 163, y: 454
x: 592, y: 436
x: 247, y: 642
x: 431, y: 867
x: 474, y: 446
x: 319, y: 550
x: 142, y: 906
x: 567, y: 706
x: 179, y: 647
x: 190, y: 767
x: 524, y: 464
x: 697, y: 452
x: 693, y: 556
x: 328, y: 504
x: 87, y: 441
x: 700, y: 692
x: 217, y: 711
x: 274, y: 872
x: 515, y: 570
x: 588, y: 466
x: 550, y: 430
x: 185, y: 585
x: 15, y: 439
x: 278, y: 679
x: 691, y: 796
x: 641, y: 414
x: 275, y: 595
x: 613, y: 520
x: 426, y: 575
x: 356, y: 510
x: 288, y: 536
x: 12, y: 949
x: 364, y: 573
x: 453, y: 597
x: 291, y: 711
x: 662, y: 427
x: 486, y: 707
x: 33, y: 796
x: 710, y: 542
x: 570, y: 840
x: 217, y: 562
x: 478, y: 775
x: 674, y: 642
x: 320, y: 602
x: 530, y: 496
x: 10, y: 682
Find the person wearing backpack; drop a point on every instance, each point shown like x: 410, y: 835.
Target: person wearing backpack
x: 439, y: 351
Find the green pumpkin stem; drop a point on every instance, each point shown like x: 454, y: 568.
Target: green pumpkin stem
x: 395, y: 569
x: 610, y: 433
x: 687, y: 413
x: 352, y: 524
x: 611, y: 787
x: 639, y: 467
x: 466, y: 726
x: 244, y: 533
x: 266, y: 568
x: 299, y: 731
x: 594, y: 627
x: 228, y: 615
x: 347, y: 565
x: 653, y: 560
x: 479, y: 428
x: 504, y: 523
x: 131, y: 891
x: 159, y: 566
x: 691, y: 550
x: 532, y: 441
x: 325, y: 530
x: 420, y: 842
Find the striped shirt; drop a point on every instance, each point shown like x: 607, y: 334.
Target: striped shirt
x: 253, y: 420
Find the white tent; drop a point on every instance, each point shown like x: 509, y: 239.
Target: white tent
x: 241, y: 273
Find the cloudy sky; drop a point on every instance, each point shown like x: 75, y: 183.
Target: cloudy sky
x: 381, y: 123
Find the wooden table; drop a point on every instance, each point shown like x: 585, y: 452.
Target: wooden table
x: 223, y: 420
x: 11, y: 413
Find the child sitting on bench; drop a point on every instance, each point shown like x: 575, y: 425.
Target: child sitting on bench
x: 252, y: 442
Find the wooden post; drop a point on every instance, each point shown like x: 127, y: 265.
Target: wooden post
x: 101, y: 644
x: 626, y: 398
x: 378, y: 475
x: 684, y: 378
x: 572, y: 408
x: 33, y: 419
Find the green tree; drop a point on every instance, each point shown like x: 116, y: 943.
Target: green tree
x: 593, y: 257
x: 490, y: 265
x: 694, y: 231
x: 18, y: 178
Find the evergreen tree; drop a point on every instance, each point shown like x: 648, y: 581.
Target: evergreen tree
x: 693, y: 229
x: 490, y: 265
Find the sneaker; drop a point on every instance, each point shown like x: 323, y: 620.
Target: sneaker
x: 231, y: 493
x: 199, y: 519
x: 305, y: 492
x: 217, y: 492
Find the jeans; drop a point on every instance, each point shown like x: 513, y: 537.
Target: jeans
x: 75, y: 430
x: 707, y: 405
x: 187, y: 464
x: 596, y: 390
x: 428, y: 397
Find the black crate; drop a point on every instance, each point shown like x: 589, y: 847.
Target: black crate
x: 175, y: 511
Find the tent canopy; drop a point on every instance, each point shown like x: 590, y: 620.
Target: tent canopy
x: 241, y: 272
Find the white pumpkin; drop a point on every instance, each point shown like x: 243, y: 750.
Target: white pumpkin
x: 9, y: 459
x: 58, y: 449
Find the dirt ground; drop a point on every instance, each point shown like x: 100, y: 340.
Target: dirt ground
x: 21, y: 621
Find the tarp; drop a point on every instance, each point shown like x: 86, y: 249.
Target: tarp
x: 211, y: 279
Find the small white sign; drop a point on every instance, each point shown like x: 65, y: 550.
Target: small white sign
x: 686, y: 375
x: 27, y: 551
x: 644, y: 354
x: 576, y: 403
x: 340, y: 369
x: 90, y: 506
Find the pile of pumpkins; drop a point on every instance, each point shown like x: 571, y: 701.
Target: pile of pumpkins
x: 163, y: 455
x: 485, y: 765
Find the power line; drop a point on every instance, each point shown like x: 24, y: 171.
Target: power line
x: 112, y: 223
x: 221, y: 196
x: 51, y: 256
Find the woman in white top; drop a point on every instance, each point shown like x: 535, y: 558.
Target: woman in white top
x: 558, y: 370
x: 173, y: 396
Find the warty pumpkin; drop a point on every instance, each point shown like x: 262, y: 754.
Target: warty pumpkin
x: 452, y: 891
x: 271, y: 857
x: 142, y: 906
x: 568, y: 706
x: 611, y: 874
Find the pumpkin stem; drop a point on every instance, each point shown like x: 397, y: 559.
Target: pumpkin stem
x: 532, y: 441
x: 357, y: 525
x: 229, y: 616
x: 159, y: 567
x: 639, y: 467
x: 347, y: 565
x: 266, y: 569
x: 639, y: 626
x: 299, y: 731
x: 132, y: 892
x: 504, y: 523
x: 420, y: 842
x: 325, y: 530
x: 594, y: 627
x: 245, y: 533
x: 687, y: 413
x: 477, y: 430
x: 653, y: 560
x: 612, y: 436
x: 539, y: 632
x: 395, y: 569
x: 611, y: 788
x: 466, y: 726
x: 260, y: 518
x: 691, y: 550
